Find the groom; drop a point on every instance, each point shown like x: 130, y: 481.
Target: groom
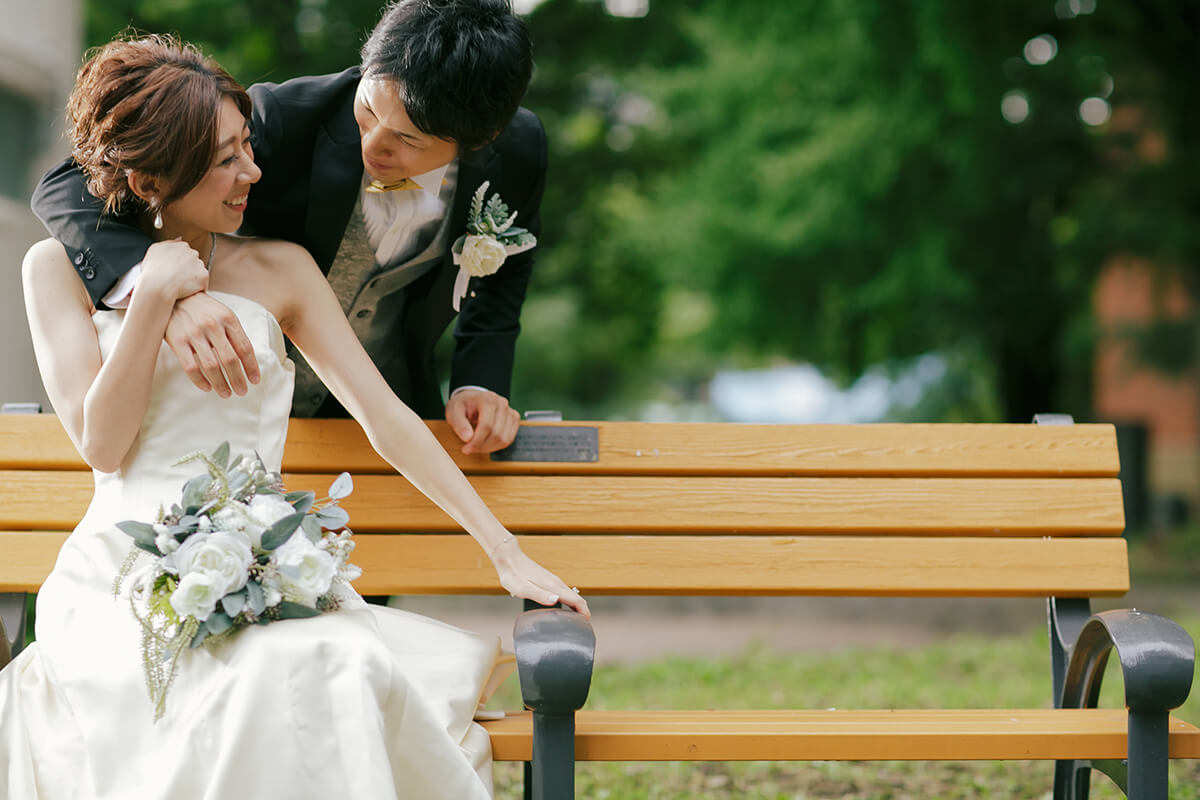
x: 372, y: 170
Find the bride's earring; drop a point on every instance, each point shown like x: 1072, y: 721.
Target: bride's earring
x: 158, y: 219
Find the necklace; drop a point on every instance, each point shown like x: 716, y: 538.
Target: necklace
x: 212, y: 248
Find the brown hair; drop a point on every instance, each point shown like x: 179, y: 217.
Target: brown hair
x: 147, y: 104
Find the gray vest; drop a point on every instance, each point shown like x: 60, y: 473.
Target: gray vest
x: 360, y: 283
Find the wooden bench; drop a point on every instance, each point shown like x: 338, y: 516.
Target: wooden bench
x: 723, y: 509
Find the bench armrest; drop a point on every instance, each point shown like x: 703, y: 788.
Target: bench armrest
x: 555, y: 651
x: 1157, y: 661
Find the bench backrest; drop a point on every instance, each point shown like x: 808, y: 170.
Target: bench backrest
x: 709, y: 508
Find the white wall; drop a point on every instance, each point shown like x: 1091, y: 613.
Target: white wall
x: 41, y: 44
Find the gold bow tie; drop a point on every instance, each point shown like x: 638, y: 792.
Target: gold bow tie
x: 403, y: 184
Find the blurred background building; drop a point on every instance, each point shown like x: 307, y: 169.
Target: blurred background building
x: 40, y: 46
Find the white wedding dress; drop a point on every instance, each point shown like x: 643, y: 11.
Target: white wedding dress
x: 366, y: 702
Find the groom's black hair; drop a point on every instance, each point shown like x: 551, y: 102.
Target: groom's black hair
x: 462, y: 65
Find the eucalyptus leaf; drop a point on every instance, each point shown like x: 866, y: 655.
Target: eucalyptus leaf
x: 311, y: 528
x: 342, y: 486
x: 238, y: 482
x: 221, y: 455
x: 256, y: 598
x: 289, y: 610
x: 234, y: 603
x: 142, y: 533
x: 218, y: 622
x: 193, y: 493
x: 201, y: 635
x: 281, y: 531
x: 301, y: 501
x: 333, y: 517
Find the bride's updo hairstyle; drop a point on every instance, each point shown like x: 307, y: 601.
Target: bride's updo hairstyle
x: 148, y: 104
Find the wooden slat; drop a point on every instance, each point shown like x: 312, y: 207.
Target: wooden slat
x: 38, y: 442
x: 686, y: 505
x: 686, y: 565
x: 842, y: 735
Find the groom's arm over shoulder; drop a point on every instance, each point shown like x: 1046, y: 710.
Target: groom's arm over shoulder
x: 487, y: 327
x: 101, y: 248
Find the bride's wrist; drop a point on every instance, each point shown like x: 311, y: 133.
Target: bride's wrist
x: 504, y: 549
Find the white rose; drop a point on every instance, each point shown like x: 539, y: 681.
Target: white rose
x: 266, y: 509
x: 224, y: 556
x: 196, y: 595
x: 482, y: 255
x: 305, y: 572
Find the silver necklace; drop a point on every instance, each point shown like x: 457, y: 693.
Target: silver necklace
x: 212, y: 248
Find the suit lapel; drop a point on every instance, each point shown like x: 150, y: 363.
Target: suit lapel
x: 337, y: 171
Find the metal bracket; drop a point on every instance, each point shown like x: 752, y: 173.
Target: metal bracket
x: 12, y: 618
x: 1157, y: 660
x: 21, y: 408
x: 555, y: 651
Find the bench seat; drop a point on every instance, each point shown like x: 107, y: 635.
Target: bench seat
x: 737, y: 510
x: 842, y: 735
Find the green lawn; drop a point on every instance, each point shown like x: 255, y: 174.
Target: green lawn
x: 964, y: 672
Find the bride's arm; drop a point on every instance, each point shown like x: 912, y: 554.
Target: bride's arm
x: 314, y: 321
x: 101, y: 403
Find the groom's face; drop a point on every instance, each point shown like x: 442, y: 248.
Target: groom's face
x: 392, y: 146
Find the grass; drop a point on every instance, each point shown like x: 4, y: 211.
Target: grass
x: 961, y: 672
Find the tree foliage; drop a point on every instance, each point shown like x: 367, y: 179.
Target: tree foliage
x: 734, y: 182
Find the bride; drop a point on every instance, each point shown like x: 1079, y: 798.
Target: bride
x: 362, y: 702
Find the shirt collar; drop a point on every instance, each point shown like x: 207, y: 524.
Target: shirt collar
x: 431, y: 182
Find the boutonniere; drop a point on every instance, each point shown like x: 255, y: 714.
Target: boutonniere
x: 491, y: 237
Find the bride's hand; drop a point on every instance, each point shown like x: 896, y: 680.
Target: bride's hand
x: 525, y: 578
x: 174, y: 268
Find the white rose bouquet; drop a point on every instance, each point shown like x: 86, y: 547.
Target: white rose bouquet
x: 236, y: 550
x: 491, y: 238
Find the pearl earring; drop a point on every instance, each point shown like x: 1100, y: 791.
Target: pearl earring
x: 158, y: 223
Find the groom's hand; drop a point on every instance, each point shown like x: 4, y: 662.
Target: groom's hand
x: 483, y: 420
x: 211, y: 346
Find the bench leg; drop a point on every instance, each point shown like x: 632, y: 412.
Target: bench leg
x: 552, y: 773
x: 1149, y: 735
x: 12, y: 624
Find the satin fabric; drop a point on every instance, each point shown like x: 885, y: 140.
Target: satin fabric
x: 365, y: 702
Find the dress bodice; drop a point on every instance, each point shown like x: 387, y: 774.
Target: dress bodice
x: 181, y: 419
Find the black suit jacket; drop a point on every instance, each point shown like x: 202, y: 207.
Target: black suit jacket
x: 307, y: 143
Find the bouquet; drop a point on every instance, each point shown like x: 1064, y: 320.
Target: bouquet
x: 236, y: 550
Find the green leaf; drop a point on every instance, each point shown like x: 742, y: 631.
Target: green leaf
x: 301, y: 501
x: 333, y: 517
x: 142, y: 533
x: 218, y: 622
x: 201, y: 635
x: 342, y: 486
x: 193, y: 493
x: 311, y: 528
x: 234, y: 603
x: 238, y: 482
x: 289, y: 610
x: 281, y: 531
x: 221, y: 455
x: 255, y: 597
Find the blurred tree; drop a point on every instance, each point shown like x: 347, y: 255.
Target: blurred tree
x: 835, y: 182
x: 255, y: 40
x: 829, y: 182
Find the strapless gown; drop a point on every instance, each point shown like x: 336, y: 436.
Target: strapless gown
x: 365, y: 702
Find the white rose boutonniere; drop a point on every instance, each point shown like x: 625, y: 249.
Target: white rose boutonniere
x: 491, y: 238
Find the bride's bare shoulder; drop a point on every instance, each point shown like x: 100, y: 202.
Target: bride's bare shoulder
x: 274, y: 253
x: 44, y: 253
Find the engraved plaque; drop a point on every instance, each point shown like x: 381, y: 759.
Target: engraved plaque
x: 553, y: 443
